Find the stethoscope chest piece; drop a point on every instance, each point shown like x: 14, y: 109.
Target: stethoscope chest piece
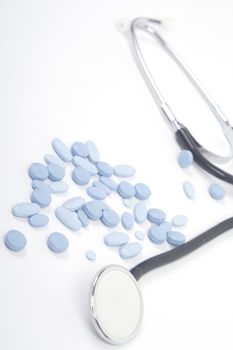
x: 116, y: 304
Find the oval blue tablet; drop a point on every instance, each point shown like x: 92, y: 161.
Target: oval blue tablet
x: 81, y: 176
x: 185, y: 158
x: 15, y: 240
x: 104, y: 169
x: 217, y: 192
x: 139, y: 235
x: 68, y: 218
x: 62, y: 150
x: 142, y: 191
x: 130, y: 250
x: 116, y: 239
x: 93, y: 209
x: 85, y: 164
x: 175, y: 238
x: 156, y: 216
x: 189, y: 189
x: 52, y: 158
x: 74, y: 204
x: 38, y: 171
x: 96, y: 193
x: 38, y: 220
x: 103, y: 187
x: 124, y: 170
x: 79, y: 149
x: 41, y: 197
x: 166, y: 226
x: 41, y: 185
x: 57, y: 242
x: 25, y: 210
x: 126, y: 190
x: 140, y: 212
x: 93, y: 152
x: 56, y: 172
x: 157, y: 234
x: 90, y: 255
x: 127, y: 220
x: 179, y: 220
x: 83, y: 218
x: 59, y: 187
x: 109, y: 182
x: 110, y: 218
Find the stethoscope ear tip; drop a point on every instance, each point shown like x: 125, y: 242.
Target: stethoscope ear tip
x: 123, y: 25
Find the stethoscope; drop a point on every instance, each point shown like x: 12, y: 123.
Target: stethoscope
x: 116, y: 302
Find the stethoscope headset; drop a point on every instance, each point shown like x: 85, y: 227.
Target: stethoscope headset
x: 116, y: 302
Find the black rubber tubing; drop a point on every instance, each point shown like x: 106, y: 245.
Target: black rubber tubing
x: 182, y: 250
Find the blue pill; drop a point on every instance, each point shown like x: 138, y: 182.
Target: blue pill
x: 185, y: 158
x: 52, y: 158
x: 41, y: 197
x: 62, y: 150
x: 104, y: 169
x: 166, y: 226
x: 127, y: 220
x: 130, y: 250
x: 83, y: 218
x: 81, y: 176
x: 179, y: 220
x: 38, y: 171
x: 93, y: 152
x: 57, y: 242
x: 79, y: 149
x: 41, y: 185
x: 93, y: 209
x: 110, y: 218
x: 68, y: 218
x: 25, y: 210
x: 108, y: 182
x: 74, y: 204
x: 90, y: 255
x: 142, y: 191
x: 139, y: 235
x: 216, y: 191
x: 126, y: 190
x: 85, y: 164
x: 156, y: 216
x: 38, y: 220
x: 140, y: 212
x: 15, y: 240
x: 175, y: 238
x: 189, y: 189
x: 123, y: 170
x: 59, y: 187
x: 96, y: 193
x: 157, y: 234
x: 56, y: 172
x: 116, y: 239
x: 102, y: 186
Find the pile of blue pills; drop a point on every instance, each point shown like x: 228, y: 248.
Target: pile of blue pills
x: 100, y: 180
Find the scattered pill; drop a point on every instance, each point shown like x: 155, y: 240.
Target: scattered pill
x: 104, y: 169
x: 123, y: 170
x: 41, y: 197
x: 130, y: 250
x: 175, y: 238
x: 52, y: 158
x: 185, y: 158
x: 74, y: 204
x: 62, y: 150
x: 25, y: 210
x: 166, y: 226
x: 90, y: 255
x: 57, y: 242
x: 116, y: 239
x: 96, y: 193
x: 15, y: 240
x: 108, y: 182
x: 179, y: 220
x: 59, y: 187
x: 102, y: 186
x: 142, y: 191
x: 139, y: 235
x: 93, y: 153
x: 81, y: 176
x: 189, y: 189
x: 216, y: 191
x: 38, y: 220
x: 127, y: 220
x: 68, y: 218
x: 56, y: 172
x: 110, y: 218
x: 126, y: 190
x: 93, y: 209
x: 83, y: 218
x: 156, y: 216
x: 157, y: 234
x: 41, y: 185
x: 140, y: 212
x: 79, y: 149
x: 38, y: 171
x: 85, y: 164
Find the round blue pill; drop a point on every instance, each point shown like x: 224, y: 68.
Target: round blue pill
x: 185, y: 158
x: 110, y: 218
x: 41, y: 185
x: 90, y: 255
x: 142, y: 191
x: 175, y: 238
x: 74, y: 203
x: 157, y: 234
x: 79, y: 149
x: 104, y: 169
x: 15, y: 240
x: 93, y: 209
x: 85, y: 164
x: 139, y: 235
x: 41, y: 197
x: 116, y: 239
x: 38, y: 220
x: 81, y: 176
x: 38, y: 171
x: 156, y: 216
x: 59, y: 187
x: 126, y: 190
x: 124, y: 170
x: 127, y: 220
x: 96, y: 192
x: 217, y: 191
x: 130, y: 250
x: 57, y: 242
x: 56, y: 172
x: 179, y: 220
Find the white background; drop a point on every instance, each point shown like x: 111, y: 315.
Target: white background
x: 67, y: 72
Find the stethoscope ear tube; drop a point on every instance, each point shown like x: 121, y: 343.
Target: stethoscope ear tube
x: 186, y: 140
